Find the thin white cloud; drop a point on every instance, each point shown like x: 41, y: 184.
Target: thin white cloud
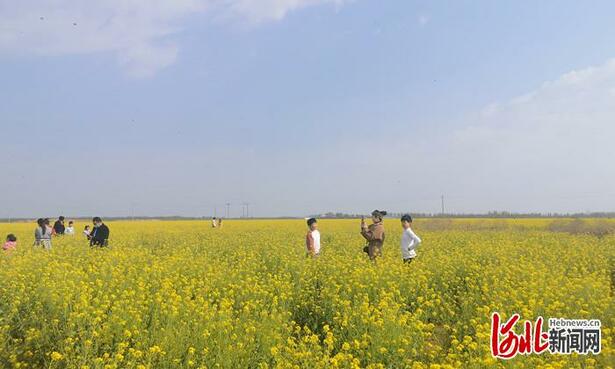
x: 555, y: 142
x: 266, y: 10
x: 138, y: 32
x: 423, y: 20
x: 548, y: 150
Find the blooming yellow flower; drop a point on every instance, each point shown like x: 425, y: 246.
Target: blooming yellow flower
x: 168, y: 294
x: 56, y: 356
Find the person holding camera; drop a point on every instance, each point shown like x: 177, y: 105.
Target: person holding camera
x: 374, y: 234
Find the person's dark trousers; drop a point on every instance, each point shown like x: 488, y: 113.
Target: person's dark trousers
x: 100, y: 244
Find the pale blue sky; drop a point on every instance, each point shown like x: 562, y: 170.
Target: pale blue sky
x: 305, y: 106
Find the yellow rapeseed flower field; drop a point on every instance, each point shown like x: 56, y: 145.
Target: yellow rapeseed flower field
x: 184, y: 295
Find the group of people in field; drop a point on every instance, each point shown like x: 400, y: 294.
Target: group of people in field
x: 98, y: 236
x: 44, y: 233
x: 216, y: 222
x: 374, y: 234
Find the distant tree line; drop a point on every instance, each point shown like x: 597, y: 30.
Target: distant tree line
x: 491, y: 214
x: 340, y: 215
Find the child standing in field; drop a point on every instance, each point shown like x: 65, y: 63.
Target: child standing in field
x: 409, y: 240
x: 86, y: 232
x: 312, y: 239
x: 374, y: 234
x: 11, y: 243
x: 70, y: 230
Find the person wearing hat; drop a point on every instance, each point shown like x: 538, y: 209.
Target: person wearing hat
x: 374, y: 234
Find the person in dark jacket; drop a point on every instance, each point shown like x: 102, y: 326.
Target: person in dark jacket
x: 58, y: 226
x: 374, y: 234
x: 100, y: 234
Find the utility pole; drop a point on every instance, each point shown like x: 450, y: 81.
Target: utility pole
x: 442, y: 198
x: 228, y: 209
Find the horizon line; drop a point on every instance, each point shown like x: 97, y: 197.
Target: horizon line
x: 340, y: 215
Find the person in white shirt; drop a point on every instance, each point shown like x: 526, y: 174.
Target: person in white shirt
x: 87, y: 232
x: 409, y: 240
x: 70, y: 230
x: 312, y: 239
